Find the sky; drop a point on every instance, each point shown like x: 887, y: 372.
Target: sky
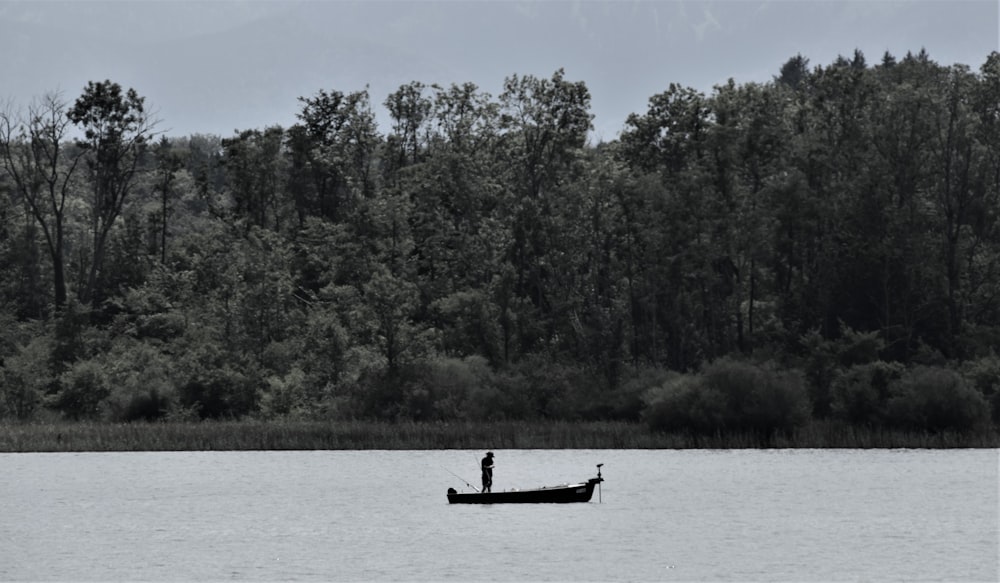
x: 223, y: 66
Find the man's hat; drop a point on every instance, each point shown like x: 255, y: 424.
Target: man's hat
x: 489, y: 454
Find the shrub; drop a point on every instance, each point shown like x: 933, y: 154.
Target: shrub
x: 285, y: 395
x: 81, y: 391
x: 936, y: 399
x: 147, y: 406
x: 827, y: 358
x: 24, y: 378
x: 860, y: 395
x: 141, y: 377
x: 558, y: 390
x: 19, y: 396
x: 539, y: 388
x: 730, y: 396
x: 219, y: 393
x: 781, y: 402
x: 984, y: 375
x: 164, y: 327
x: 380, y: 395
x: 627, y: 401
x: 503, y: 397
x: 757, y: 398
x: 683, y: 404
x: 456, y: 383
x: 856, y: 348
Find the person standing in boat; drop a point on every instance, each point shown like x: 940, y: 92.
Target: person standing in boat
x: 488, y: 472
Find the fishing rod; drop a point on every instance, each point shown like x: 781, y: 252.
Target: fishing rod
x: 460, y: 478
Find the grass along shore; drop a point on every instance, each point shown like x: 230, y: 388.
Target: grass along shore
x: 362, y: 435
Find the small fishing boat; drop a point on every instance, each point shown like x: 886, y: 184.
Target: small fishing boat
x: 581, y: 492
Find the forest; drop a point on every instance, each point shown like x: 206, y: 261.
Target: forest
x: 821, y: 248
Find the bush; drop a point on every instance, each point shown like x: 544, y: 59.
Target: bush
x: 141, y: 379
x: 826, y: 358
x: 457, y: 386
x: 759, y: 399
x: 219, y: 394
x: 285, y: 395
x: 936, y: 399
x: 683, y: 404
x: 148, y: 406
x: 984, y: 375
x: 538, y: 388
x: 860, y: 395
x: 164, y: 327
x: 508, y: 394
x: 627, y: 401
x: 556, y: 390
x: 82, y: 389
x: 730, y: 397
x: 502, y: 397
x: 24, y: 379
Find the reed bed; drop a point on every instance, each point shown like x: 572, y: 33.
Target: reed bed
x: 362, y: 435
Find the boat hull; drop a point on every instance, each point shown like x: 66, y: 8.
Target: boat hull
x: 581, y: 492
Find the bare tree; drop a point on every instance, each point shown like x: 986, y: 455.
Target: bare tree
x: 34, y: 154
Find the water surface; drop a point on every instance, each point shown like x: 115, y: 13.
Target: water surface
x: 784, y: 515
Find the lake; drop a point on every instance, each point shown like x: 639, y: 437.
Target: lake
x: 664, y: 515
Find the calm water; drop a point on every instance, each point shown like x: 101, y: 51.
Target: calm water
x: 792, y: 515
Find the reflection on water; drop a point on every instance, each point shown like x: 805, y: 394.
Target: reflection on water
x: 789, y: 515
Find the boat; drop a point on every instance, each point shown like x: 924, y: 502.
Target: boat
x: 580, y: 492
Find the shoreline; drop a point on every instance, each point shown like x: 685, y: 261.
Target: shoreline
x: 365, y: 435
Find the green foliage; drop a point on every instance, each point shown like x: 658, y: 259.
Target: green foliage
x: 25, y: 377
x: 795, y: 72
x: 861, y: 394
x: 469, y: 323
x: 141, y: 377
x: 936, y: 399
x: 627, y: 401
x: 730, y: 397
x: 219, y: 394
x: 459, y: 386
x: 826, y: 359
x: 855, y: 348
x: 482, y: 261
x: 286, y: 396
x: 683, y: 404
x: 38, y: 167
x: 149, y: 406
x: 116, y: 127
x: 69, y: 336
x: 255, y: 169
x: 984, y: 375
x: 333, y: 148
x: 81, y: 391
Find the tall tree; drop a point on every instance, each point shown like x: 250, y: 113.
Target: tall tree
x: 255, y: 172
x: 669, y: 216
x: 116, y: 128
x: 335, y: 143
x: 747, y: 142
x: 794, y: 73
x: 409, y: 110
x: 982, y: 256
x: 544, y: 123
x: 454, y: 193
x: 169, y: 161
x: 956, y: 155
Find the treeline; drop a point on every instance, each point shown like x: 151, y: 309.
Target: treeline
x: 821, y: 247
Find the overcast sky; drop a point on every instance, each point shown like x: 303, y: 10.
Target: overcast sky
x: 221, y: 66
